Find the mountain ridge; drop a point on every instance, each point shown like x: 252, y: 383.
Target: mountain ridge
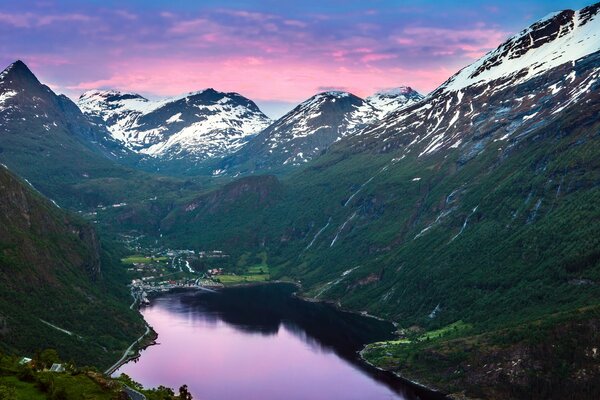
x: 197, y: 125
x: 312, y: 127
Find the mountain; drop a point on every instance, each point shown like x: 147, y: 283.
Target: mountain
x: 60, y: 288
x: 390, y: 100
x: 178, y: 133
x: 303, y: 133
x: 46, y: 139
x: 464, y: 217
x: 193, y: 127
x: 309, y: 129
x: 24, y: 100
x: 519, y: 87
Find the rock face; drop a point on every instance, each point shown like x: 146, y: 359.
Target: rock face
x: 27, y: 107
x: 194, y: 127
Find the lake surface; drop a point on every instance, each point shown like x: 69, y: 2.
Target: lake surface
x: 260, y: 342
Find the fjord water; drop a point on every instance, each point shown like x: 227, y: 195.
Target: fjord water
x: 260, y: 342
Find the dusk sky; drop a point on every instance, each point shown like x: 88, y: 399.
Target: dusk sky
x: 277, y: 53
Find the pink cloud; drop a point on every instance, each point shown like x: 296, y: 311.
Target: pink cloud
x: 126, y: 15
x: 287, y: 81
x: 190, y: 26
x: 262, y: 55
x: 377, y: 57
x: 16, y: 20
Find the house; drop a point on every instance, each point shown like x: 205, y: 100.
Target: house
x: 57, y: 368
x: 24, y: 360
x: 217, y: 271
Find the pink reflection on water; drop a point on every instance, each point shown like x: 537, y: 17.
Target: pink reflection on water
x: 219, y: 361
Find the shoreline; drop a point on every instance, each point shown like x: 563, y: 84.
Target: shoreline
x: 127, y: 358
x: 410, y: 382
x: 431, y: 391
x: 414, y: 384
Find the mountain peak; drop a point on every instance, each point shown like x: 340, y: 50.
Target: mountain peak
x: 397, y: 91
x: 18, y: 72
x: 192, y: 126
x: 108, y: 95
x: 388, y: 100
x: 333, y: 94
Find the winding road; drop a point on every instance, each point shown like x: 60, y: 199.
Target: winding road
x: 116, y: 365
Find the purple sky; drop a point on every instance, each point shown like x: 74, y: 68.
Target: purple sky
x: 275, y: 53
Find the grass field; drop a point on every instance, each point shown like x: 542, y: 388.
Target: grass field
x: 258, y: 269
x: 248, y: 278
x: 458, y: 326
x: 73, y: 386
x: 140, y: 259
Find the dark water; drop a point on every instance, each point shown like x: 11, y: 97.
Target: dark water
x: 261, y: 343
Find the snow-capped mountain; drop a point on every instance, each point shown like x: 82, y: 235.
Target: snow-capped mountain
x: 304, y: 132
x: 29, y: 107
x: 390, y: 100
x: 311, y: 127
x: 195, y: 126
x: 510, y: 92
x: 45, y: 138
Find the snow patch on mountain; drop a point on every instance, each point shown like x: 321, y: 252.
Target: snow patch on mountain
x: 6, y: 95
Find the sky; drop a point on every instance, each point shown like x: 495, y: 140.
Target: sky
x: 277, y: 53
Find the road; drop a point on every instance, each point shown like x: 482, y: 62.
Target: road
x: 133, y: 394
x: 126, y: 353
x: 134, y: 301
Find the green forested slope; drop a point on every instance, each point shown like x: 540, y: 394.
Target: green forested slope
x: 54, y: 271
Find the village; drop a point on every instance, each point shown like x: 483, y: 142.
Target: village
x: 157, y: 270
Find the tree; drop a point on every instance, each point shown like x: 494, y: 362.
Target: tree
x: 49, y: 357
x: 166, y: 390
x: 184, y: 394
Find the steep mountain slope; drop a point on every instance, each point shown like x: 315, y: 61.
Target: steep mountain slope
x: 520, y: 86
x: 47, y: 140
x: 59, y: 289
x: 193, y: 127
x: 464, y: 217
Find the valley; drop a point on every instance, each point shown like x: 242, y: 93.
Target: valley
x: 465, y: 221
